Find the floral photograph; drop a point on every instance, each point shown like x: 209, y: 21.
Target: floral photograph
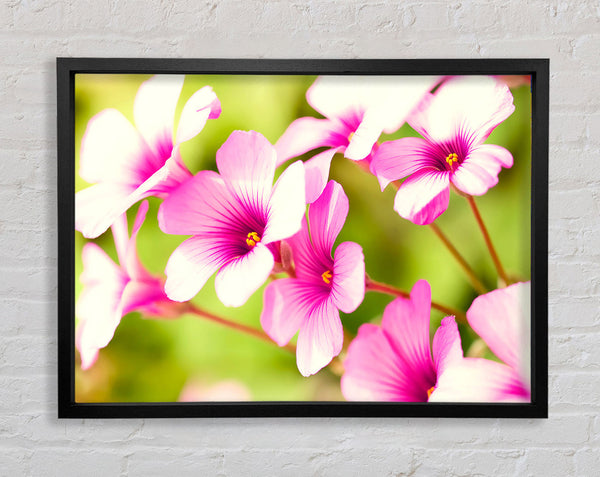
x: 302, y: 238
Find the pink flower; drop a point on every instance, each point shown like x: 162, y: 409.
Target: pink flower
x: 455, y: 121
x: 236, y: 219
x: 357, y: 110
x: 127, y: 163
x: 111, y: 291
x: 322, y: 285
x: 395, y: 362
x: 502, y: 318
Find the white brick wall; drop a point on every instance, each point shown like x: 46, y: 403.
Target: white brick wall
x: 34, y: 442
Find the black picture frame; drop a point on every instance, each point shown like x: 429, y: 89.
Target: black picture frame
x: 67, y: 68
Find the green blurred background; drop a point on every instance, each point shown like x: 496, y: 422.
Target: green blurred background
x: 152, y: 360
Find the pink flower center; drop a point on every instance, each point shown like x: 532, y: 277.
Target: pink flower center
x: 252, y: 239
x: 452, y: 159
x: 327, y: 276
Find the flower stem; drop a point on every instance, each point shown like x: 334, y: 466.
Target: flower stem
x: 475, y: 282
x: 372, y: 285
x: 488, y: 240
x: 236, y: 326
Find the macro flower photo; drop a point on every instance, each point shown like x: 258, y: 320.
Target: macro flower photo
x: 296, y: 238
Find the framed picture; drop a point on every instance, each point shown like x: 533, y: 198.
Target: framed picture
x: 345, y: 238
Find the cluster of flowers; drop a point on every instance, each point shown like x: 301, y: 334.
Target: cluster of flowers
x: 245, y: 229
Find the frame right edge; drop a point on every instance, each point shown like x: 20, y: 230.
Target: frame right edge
x: 539, y: 236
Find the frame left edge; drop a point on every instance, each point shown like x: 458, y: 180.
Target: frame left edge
x: 65, y: 122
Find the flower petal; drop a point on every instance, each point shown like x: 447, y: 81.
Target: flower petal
x: 375, y: 372
x: 88, y: 354
x: 317, y: 173
x: 241, y: 277
x: 120, y: 232
x: 320, y: 338
x: 99, y: 305
x: 193, y: 263
x: 476, y: 104
x: 480, y: 170
x: 365, y: 136
x: 495, y: 153
x: 473, y: 179
x: 306, y: 134
x: 201, y: 205
x: 154, y: 113
x: 168, y: 178
x: 287, y: 205
x: 348, y: 287
x: 386, y: 102
x: 287, y: 305
x: 389, y: 98
x: 395, y: 160
x: 326, y: 217
x: 423, y: 197
x: 479, y: 380
x: 246, y: 162
x: 202, y: 106
x: 132, y: 263
x: 309, y: 265
x: 502, y: 318
x: 98, y: 206
x: 406, y: 325
x: 140, y: 294
x: 113, y: 151
x: 335, y: 96
x: 447, y: 347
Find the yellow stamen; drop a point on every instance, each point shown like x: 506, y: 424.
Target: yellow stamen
x: 252, y: 239
x: 326, y: 276
x: 350, y: 136
x: 451, y: 159
x: 429, y: 391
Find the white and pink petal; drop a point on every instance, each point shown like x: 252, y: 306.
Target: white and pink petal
x: 193, y: 263
x: 479, y: 380
x: 423, y: 197
x: 502, y: 319
x: 306, y: 134
x: 287, y: 205
x: 320, y: 338
x: 112, y: 150
x: 317, y: 173
x: 287, y: 304
x: 97, y: 207
x: 246, y: 162
x: 99, y: 307
x: 154, y: 114
x: 398, y: 159
x: 348, y: 282
x: 373, y: 370
x: 406, y: 325
x: 202, y: 106
x: 446, y: 347
x: 474, y: 178
x: 476, y: 104
x: 239, y: 278
x: 326, y: 217
x: 201, y: 205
